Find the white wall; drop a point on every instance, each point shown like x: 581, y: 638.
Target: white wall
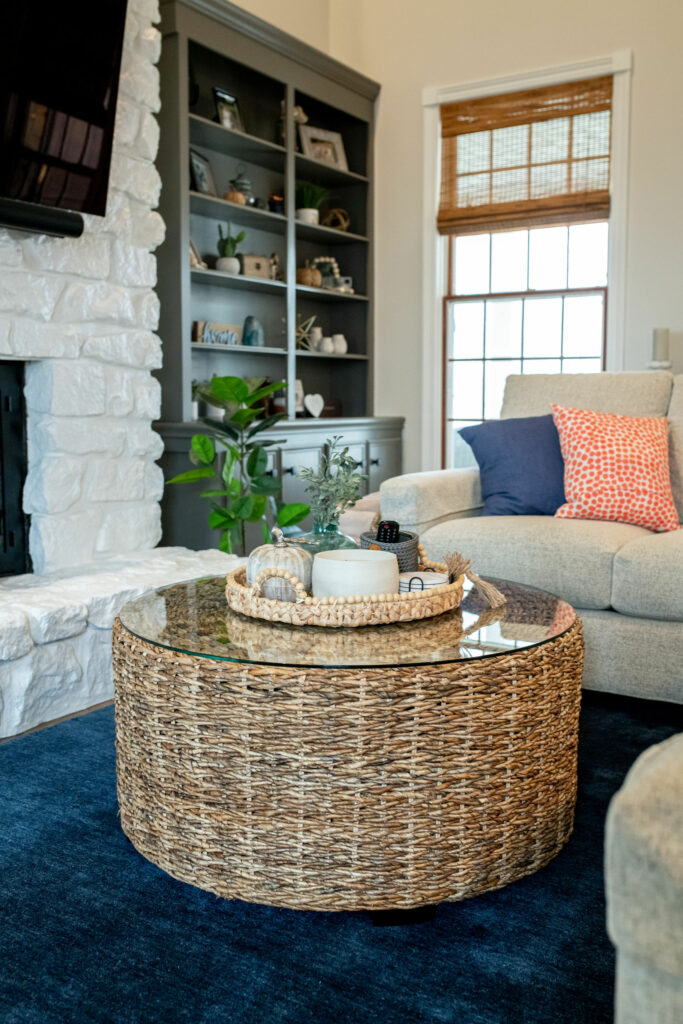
x: 308, y: 20
x: 440, y: 43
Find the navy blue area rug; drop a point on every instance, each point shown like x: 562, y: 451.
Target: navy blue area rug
x: 91, y: 932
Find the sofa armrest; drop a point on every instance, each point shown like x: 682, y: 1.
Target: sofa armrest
x: 421, y: 500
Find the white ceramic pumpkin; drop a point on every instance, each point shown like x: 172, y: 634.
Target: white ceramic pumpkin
x: 280, y: 555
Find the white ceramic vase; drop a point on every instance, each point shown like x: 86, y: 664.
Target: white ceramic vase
x: 307, y: 215
x: 340, y: 344
x: 228, y: 265
x: 326, y: 345
x: 352, y: 571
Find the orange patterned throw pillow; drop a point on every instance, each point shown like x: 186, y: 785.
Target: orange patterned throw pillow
x: 616, y: 468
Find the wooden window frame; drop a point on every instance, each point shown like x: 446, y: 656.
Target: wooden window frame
x: 434, y: 250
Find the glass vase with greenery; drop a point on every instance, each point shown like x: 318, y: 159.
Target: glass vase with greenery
x: 334, y: 487
x: 242, y: 488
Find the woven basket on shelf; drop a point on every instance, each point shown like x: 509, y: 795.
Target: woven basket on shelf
x: 360, y: 610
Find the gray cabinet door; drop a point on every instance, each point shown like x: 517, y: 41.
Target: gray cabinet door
x: 384, y: 462
x: 292, y: 461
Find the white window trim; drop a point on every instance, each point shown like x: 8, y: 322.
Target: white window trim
x: 619, y: 65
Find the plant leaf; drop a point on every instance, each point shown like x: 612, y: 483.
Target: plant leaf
x: 225, y: 543
x: 222, y: 519
x: 243, y: 417
x: 229, y: 389
x: 257, y: 462
x: 191, y: 475
x: 269, y: 421
x: 204, y: 448
x: 291, y: 514
x: 267, y: 389
x: 266, y: 485
x: 223, y: 427
x: 259, y: 509
x: 213, y: 494
x: 244, y: 506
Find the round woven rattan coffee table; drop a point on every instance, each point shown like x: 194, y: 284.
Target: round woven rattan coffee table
x: 342, y: 769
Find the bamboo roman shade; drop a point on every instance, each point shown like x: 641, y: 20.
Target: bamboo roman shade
x: 541, y: 156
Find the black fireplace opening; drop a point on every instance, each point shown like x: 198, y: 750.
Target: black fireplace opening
x: 14, y: 556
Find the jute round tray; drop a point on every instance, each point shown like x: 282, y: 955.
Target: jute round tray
x: 360, y: 610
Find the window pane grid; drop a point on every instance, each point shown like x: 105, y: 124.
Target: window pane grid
x: 491, y: 333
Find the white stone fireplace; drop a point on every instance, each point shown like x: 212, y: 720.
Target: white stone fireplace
x: 82, y: 314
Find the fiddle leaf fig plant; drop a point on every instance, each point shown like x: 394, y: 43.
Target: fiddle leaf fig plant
x: 233, y: 456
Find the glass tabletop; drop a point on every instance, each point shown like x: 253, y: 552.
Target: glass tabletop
x: 194, y: 618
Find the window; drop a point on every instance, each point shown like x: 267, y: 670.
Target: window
x: 524, y: 204
x: 525, y: 301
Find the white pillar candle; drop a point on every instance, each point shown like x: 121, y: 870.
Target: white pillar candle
x: 354, y: 571
x: 660, y: 345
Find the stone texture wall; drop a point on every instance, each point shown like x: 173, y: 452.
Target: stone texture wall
x: 84, y: 312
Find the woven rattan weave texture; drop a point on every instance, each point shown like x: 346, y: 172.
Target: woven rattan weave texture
x: 343, y: 789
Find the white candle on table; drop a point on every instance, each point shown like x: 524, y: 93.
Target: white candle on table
x: 660, y: 345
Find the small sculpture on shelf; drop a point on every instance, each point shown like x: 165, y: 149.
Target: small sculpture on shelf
x: 240, y: 190
x: 299, y: 116
x: 337, y: 218
x: 331, y: 277
x: 227, y: 261
x: 309, y: 276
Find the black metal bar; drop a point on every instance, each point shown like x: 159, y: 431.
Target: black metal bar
x: 44, y: 220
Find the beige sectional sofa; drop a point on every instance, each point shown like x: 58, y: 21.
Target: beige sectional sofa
x: 626, y: 582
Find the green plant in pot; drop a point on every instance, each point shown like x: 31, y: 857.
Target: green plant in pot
x: 227, y: 261
x: 333, y: 487
x: 309, y: 197
x: 242, y: 491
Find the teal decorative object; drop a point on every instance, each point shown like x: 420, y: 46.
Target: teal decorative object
x: 252, y: 333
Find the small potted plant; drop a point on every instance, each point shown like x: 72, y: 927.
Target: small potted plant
x: 333, y: 487
x: 227, y: 261
x: 309, y: 199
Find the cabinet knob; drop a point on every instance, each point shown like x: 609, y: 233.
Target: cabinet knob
x: 291, y: 470
x: 358, y: 463
x: 375, y: 462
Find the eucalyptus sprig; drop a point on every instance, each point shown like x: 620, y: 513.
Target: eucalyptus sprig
x: 243, y: 486
x: 335, y: 485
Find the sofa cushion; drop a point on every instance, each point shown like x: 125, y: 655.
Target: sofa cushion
x: 648, y: 577
x: 628, y: 394
x: 616, y: 468
x: 569, y: 557
x: 521, y: 465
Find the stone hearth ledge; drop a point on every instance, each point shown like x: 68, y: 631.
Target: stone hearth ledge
x: 55, y: 629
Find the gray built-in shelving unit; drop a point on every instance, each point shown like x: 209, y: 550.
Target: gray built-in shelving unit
x: 209, y: 43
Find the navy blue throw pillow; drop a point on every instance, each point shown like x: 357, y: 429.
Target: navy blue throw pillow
x: 521, y: 465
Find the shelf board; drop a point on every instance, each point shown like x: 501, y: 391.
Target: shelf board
x: 217, y: 279
x: 320, y: 233
x: 323, y: 174
x: 329, y: 355
x: 240, y: 145
x: 262, y: 350
x: 250, y: 216
x: 325, y: 295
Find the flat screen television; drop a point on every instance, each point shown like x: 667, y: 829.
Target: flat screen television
x: 59, y: 76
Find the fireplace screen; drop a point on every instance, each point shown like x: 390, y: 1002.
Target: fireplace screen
x: 13, y: 523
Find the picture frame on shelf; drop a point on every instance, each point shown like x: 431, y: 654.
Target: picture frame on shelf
x: 201, y: 174
x: 324, y: 146
x: 227, y: 110
x: 196, y: 262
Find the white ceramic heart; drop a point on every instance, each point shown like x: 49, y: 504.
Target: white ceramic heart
x: 314, y: 404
